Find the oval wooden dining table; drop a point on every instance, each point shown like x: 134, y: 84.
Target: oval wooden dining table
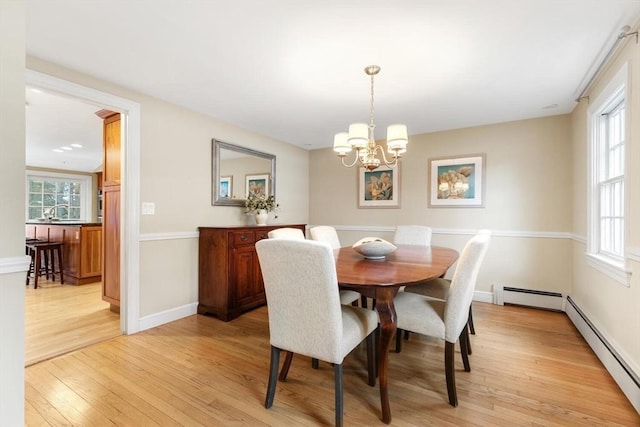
x: 381, y: 279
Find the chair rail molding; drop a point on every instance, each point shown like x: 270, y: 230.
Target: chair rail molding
x: 18, y: 264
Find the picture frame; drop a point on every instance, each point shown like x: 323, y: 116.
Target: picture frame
x: 257, y: 184
x: 226, y: 187
x: 379, y: 188
x: 457, y: 181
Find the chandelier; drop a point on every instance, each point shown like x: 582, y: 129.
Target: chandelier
x: 361, y: 138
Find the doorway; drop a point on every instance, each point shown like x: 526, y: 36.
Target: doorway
x: 129, y: 213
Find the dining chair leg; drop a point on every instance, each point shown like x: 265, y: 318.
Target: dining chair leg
x: 363, y: 302
x: 450, y: 373
x: 285, y: 366
x: 398, y: 340
x: 464, y: 348
x: 406, y: 335
x: 371, y: 359
x: 315, y: 363
x: 338, y: 393
x: 273, y: 375
x: 472, y: 329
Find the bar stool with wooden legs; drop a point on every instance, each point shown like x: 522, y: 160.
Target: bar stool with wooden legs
x: 43, y: 255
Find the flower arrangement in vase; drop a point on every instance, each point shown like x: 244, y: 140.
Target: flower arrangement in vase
x: 261, y: 206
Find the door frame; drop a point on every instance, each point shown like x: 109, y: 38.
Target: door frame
x: 130, y: 186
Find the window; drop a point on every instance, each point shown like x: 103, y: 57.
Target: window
x: 607, y: 123
x: 58, y: 195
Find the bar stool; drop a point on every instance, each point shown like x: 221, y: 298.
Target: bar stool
x: 47, y: 252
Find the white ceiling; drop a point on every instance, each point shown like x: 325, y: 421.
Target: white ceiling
x: 293, y: 69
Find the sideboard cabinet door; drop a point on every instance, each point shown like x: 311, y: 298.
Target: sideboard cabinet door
x: 229, y: 276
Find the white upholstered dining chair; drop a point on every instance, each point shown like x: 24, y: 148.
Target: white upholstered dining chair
x: 446, y: 320
x: 305, y: 314
x: 325, y: 233
x: 329, y: 235
x: 286, y: 233
x: 419, y: 235
x: 439, y: 289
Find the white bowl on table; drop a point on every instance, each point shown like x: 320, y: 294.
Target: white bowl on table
x: 374, y: 248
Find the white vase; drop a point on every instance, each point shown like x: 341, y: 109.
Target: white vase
x: 261, y: 217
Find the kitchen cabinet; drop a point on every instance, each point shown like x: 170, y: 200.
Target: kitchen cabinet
x: 81, y: 248
x: 229, y: 277
x: 111, y: 170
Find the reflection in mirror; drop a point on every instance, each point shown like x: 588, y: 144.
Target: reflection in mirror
x: 236, y: 169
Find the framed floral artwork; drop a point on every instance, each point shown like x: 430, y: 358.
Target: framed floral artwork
x: 457, y: 181
x: 379, y: 188
x: 258, y: 185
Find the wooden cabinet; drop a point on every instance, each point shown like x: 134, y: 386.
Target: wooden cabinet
x: 81, y: 249
x: 229, y: 276
x: 111, y: 169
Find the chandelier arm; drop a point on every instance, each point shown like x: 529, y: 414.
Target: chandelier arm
x: 354, y: 160
x: 389, y: 164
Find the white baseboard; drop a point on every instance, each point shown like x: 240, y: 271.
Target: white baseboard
x: 167, y: 316
x: 483, y: 296
x: 622, y: 373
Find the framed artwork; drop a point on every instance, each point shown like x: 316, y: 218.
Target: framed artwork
x: 379, y: 188
x: 258, y: 185
x: 457, y: 181
x: 226, y: 186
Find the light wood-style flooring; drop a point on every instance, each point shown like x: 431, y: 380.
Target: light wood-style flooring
x: 528, y: 368
x: 62, y: 318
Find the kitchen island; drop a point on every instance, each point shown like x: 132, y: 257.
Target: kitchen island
x: 81, y: 247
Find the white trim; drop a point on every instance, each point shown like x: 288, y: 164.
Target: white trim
x: 130, y: 258
x: 633, y: 254
x: 149, y: 237
x: 616, y: 90
x: 16, y: 264
x: 579, y: 238
x: 167, y: 316
x: 612, y: 362
x: 482, y: 296
x: 615, y: 271
x: 145, y: 237
x: 463, y: 232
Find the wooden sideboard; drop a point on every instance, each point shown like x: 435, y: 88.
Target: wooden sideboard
x: 229, y: 276
x: 81, y: 248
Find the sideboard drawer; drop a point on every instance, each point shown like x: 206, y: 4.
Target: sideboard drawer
x: 243, y: 238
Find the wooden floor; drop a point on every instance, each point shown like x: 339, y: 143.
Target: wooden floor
x: 529, y: 367
x: 61, y: 318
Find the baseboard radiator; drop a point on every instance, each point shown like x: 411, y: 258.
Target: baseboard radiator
x: 528, y: 297
x: 622, y: 373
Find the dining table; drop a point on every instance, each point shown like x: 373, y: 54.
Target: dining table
x: 381, y: 280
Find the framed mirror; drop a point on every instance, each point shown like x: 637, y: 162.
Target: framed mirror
x: 237, y: 170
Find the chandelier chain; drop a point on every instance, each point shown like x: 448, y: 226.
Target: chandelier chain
x: 372, y: 110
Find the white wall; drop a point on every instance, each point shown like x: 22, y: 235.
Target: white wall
x: 12, y: 178
x: 527, y: 203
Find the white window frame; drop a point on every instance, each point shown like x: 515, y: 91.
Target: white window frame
x: 86, y: 189
x: 616, y: 91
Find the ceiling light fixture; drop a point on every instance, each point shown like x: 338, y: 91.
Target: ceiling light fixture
x: 76, y: 145
x: 361, y: 138
x: 67, y: 148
